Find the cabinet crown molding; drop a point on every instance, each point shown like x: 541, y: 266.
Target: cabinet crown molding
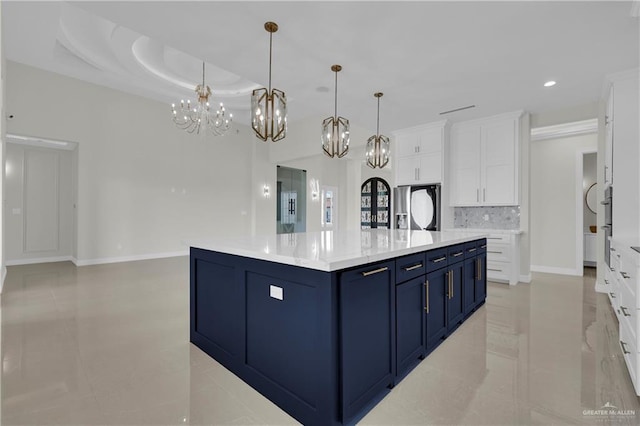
x: 566, y: 129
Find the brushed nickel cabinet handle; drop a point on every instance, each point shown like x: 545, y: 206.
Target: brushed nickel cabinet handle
x: 494, y: 238
x: 440, y: 259
x: 624, y: 348
x: 484, y: 194
x: 613, y: 296
x: 494, y: 270
x: 458, y: 254
x: 375, y: 271
x: 426, y: 296
x: 625, y: 275
x: 624, y: 311
x: 483, y: 246
x: 411, y: 268
x: 478, y: 195
x: 606, y: 282
x: 452, y: 292
x: 494, y: 252
x: 471, y: 250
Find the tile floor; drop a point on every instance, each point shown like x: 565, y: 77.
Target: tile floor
x: 109, y: 345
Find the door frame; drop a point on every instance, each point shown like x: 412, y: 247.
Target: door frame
x: 59, y: 145
x: 579, y: 207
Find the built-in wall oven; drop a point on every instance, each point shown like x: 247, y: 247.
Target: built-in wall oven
x: 608, y: 223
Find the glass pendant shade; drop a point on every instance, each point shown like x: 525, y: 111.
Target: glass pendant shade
x: 378, y: 146
x: 199, y: 116
x: 335, y: 136
x: 335, y: 130
x: 269, y: 114
x: 377, y: 152
x: 269, y: 106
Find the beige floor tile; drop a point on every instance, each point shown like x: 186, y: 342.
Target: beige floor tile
x: 109, y: 344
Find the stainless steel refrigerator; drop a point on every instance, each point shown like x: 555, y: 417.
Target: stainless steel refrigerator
x: 417, y: 207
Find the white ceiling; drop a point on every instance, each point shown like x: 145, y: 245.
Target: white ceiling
x: 427, y: 57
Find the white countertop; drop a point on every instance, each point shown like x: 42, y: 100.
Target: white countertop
x: 334, y: 250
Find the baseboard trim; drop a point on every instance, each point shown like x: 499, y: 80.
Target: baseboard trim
x: 19, y: 262
x: 105, y: 260
x: 3, y: 275
x: 554, y: 270
x: 525, y: 278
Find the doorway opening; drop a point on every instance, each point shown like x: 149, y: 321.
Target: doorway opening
x: 291, y: 203
x: 587, y: 212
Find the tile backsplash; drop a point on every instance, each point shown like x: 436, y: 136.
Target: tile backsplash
x: 503, y: 217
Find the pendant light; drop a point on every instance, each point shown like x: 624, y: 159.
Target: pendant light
x: 377, y: 152
x: 335, y: 130
x: 269, y: 107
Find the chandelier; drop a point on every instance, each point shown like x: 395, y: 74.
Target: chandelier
x: 192, y: 118
x: 377, y: 152
x: 269, y: 107
x: 335, y: 130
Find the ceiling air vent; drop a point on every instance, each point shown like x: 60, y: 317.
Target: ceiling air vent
x: 457, y: 109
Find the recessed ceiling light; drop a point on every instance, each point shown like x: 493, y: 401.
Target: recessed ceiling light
x: 550, y: 83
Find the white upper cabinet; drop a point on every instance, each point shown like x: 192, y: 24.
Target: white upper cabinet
x: 624, y: 150
x: 418, y: 154
x: 484, y: 161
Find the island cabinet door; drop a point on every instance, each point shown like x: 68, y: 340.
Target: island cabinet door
x: 435, y: 309
x: 410, y: 335
x: 481, y: 279
x: 470, y: 274
x: 455, y: 311
x: 367, y: 341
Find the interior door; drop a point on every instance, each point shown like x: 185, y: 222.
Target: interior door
x: 375, y: 202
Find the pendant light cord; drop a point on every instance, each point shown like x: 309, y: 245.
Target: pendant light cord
x: 203, y: 75
x: 336, y: 97
x: 378, y: 121
x: 270, y: 54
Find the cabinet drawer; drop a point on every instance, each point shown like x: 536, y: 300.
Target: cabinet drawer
x: 627, y: 272
x: 411, y: 266
x: 455, y: 253
x: 498, y: 270
x: 470, y: 249
x: 499, y: 238
x: 481, y: 245
x: 499, y: 252
x: 436, y: 259
x: 630, y: 352
x: 626, y: 311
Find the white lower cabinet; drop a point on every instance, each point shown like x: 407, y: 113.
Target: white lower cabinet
x: 624, y: 294
x: 503, y: 257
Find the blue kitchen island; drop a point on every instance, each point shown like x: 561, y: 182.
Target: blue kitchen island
x: 324, y: 324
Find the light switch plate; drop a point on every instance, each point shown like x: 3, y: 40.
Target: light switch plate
x: 276, y: 292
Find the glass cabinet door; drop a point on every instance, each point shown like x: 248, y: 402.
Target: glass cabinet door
x: 375, y: 202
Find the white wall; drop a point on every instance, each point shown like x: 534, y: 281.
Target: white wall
x: 43, y: 176
x: 553, y: 202
x: 3, y: 269
x: 143, y: 185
